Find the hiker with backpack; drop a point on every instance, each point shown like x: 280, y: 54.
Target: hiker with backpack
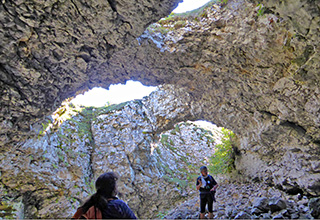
x: 207, y: 186
x: 104, y: 204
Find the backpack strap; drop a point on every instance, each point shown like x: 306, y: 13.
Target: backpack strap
x: 92, y: 213
x: 78, y: 214
x: 213, y: 180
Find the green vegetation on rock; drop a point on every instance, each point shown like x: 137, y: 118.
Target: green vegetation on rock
x: 7, y: 211
x: 79, y: 116
x: 109, y: 108
x: 222, y: 161
x: 166, y: 141
x: 261, y: 10
x: 161, y: 215
x: 44, y: 128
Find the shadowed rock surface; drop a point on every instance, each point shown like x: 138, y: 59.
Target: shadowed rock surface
x: 253, y: 69
x: 51, y: 50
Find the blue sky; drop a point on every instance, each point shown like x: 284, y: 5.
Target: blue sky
x: 114, y: 95
x: 131, y: 90
x: 188, y: 5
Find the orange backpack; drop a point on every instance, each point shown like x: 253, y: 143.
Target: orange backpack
x: 92, y: 213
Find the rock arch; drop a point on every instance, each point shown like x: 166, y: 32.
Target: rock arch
x: 257, y: 75
x: 51, y: 175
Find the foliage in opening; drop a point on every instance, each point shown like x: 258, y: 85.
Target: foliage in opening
x: 261, y: 10
x: 185, y: 174
x: 222, y: 161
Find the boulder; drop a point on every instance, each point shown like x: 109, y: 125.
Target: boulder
x: 261, y: 204
x: 255, y: 217
x: 230, y: 212
x: 295, y: 215
x: 220, y: 214
x: 234, y: 213
x: 277, y: 204
x: 304, y: 201
x: 314, y: 207
x: 278, y: 216
x: 243, y: 215
x: 256, y: 211
x: 306, y: 216
x: 266, y: 216
x: 303, y: 208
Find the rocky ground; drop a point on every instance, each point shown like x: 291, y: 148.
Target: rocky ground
x: 251, y: 201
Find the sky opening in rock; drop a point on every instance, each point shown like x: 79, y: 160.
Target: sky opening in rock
x: 119, y: 93
x: 189, y: 5
x: 116, y: 94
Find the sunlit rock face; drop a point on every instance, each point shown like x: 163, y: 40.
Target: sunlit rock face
x: 247, y: 67
x: 156, y: 172
x: 51, y: 175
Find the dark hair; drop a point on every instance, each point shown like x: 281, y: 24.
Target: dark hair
x: 203, y: 168
x: 106, y: 188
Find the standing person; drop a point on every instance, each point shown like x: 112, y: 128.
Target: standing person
x: 207, y: 185
x: 104, y: 204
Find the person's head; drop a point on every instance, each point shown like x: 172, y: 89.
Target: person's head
x: 204, y: 171
x: 106, y: 184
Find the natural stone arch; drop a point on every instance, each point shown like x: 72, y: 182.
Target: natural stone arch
x: 255, y: 75
x: 253, y: 86
x: 55, y: 172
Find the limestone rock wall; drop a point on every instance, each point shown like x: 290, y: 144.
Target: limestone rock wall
x: 48, y: 175
x: 51, y: 49
x: 248, y: 67
x: 156, y: 174
x: 253, y: 69
x: 51, y: 175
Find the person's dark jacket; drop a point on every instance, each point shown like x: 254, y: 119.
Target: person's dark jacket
x: 210, y: 183
x: 113, y: 209
x: 117, y: 209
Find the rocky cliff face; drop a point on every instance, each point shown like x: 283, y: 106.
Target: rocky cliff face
x: 51, y: 175
x: 248, y: 67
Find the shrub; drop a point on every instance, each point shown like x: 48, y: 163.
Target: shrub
x: 161, y: 215
x: 222, y: 160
